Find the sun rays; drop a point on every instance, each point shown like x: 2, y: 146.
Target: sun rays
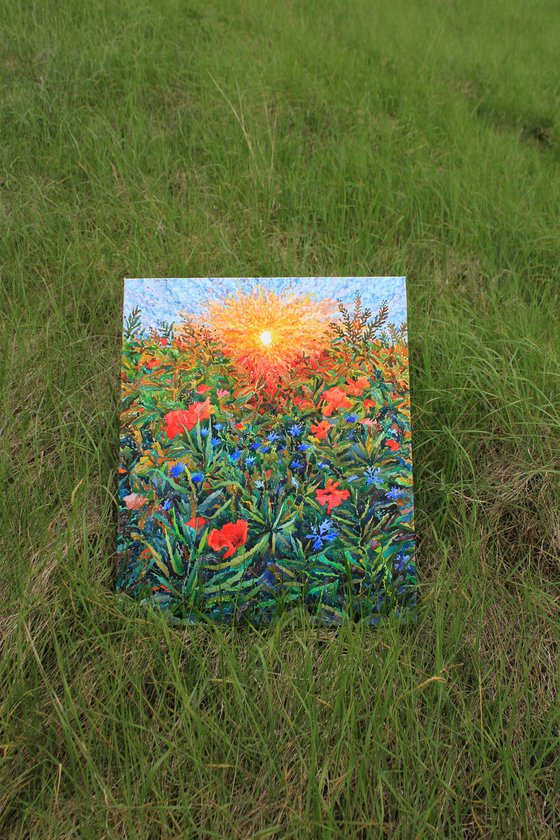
x: 265, y: 333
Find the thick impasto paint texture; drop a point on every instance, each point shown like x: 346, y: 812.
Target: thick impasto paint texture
x: 265, y: 456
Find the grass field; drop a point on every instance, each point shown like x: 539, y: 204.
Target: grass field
x: 173, y: 138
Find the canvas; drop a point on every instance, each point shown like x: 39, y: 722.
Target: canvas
x: 265, y: 455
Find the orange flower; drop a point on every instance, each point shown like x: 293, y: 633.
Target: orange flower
x: 230, y: 536
x: 196, y: 522
x: 335, y: 398
x: 393, y: 445
x: 331, y: 496
x: 369, y: 403
x: 321, y: 429
x: 152, y: 363
x: 202, y: 389
x: 356, y: 388
x: 134, y: 501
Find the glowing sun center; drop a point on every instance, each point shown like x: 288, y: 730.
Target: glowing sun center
x: 267, y: 333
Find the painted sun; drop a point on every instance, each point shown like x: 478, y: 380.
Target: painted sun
x: 265, y: 333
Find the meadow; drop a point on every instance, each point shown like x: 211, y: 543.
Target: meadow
x: 179, y: 138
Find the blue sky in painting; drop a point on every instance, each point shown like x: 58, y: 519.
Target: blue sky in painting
x: 164, y: 299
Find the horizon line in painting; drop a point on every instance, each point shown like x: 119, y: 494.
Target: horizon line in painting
x: 265, y: 451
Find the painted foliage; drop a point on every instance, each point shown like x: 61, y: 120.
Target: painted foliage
x: 265, y: 456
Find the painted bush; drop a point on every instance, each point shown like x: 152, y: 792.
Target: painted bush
x: 265, y: 460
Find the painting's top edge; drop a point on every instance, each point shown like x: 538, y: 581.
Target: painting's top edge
x: 280, y: 277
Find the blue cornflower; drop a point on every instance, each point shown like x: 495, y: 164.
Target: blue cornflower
x: 327, y: 530
x: 351, y: 418
x: 303, y: 446
x: 176, y: 470
x: 265, y: 448
x: 273, y: 436
x: 250, y: 460
x: 352, y: 478
x: 259, y: 485
x: 215, y: 441
x: 204, y: 432
x: 322, y: 534
x: 295, y: 430
x: 235, y: 456
x: 394, y: 493
x: 197, y: 477
x: 167, y: 504
x: 322, y: 465
x: 372, y: 476
x: 218, y: 426
x: 296, y: 465
x: 256, y: 445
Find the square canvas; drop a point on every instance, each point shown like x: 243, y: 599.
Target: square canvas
x: 265, y: 453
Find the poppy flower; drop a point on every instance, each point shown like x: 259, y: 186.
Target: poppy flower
x: 201, y: 389
x: 152, y: 363
x: 356, y: 388
x: 335, y: 398
x: 134, y: 501
x: 163, y: 341
x: 369, y: 403
x: 393, y: 445
x: 177, y: 421
x: 330, y: 495
x: 199, y: 411
x: 321, y: 429
x: 231, y: 536
x: 196, y: 522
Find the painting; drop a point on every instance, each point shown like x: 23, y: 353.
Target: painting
x: 265, y: 449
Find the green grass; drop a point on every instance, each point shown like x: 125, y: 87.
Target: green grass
x: 234, y: 137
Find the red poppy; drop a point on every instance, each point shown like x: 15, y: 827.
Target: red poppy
x: 335, y: 398
x: 196, y: 522
x: 230, y: 536
x: 152, y: 363
x: 239, y: 425
x: 176, y: 422
x: 369, y: 403
x: 267, y: 473
x: 202, y: 389
x: 163, y: 341
x: 356, y: 388
x: 186, y: 418
x: 393, y: 445
x: 331, y: 496
x: 321, y: 429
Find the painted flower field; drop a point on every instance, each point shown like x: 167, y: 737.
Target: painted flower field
x: 266, y: 461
